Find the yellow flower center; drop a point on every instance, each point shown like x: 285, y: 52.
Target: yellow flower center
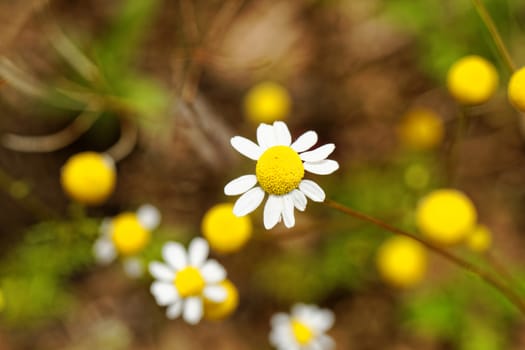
x: 301, y: 332
x: 189, y: 282
x: 279, y: 170
x: 128, y: 234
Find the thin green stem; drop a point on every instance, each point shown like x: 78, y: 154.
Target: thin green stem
x: 494, y: 33
x: 459, y: 261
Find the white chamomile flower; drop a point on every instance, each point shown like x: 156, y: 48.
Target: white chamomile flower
x: 303, y: 329
x: 187, y: 279
x: 279, y: 172
x: 126, y: 235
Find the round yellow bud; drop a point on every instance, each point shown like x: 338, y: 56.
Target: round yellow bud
x: 88, y: 177
x: 128, y: 234
x: 516, y: 89
x: 267, y: 102
x: 446, y: 216
x: 217, y: 311
x: 480, y: 239
x: 225, y: 232
x: 472, y: 80
x: 402, y: 262
x: 421, y: 129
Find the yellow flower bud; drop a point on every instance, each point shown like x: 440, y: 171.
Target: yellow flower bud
x: 128, y: 234
x: 480, y: 239
x: 446, y: 216
x: 267, y: 102
x: 218, y: 311
x: 225, y: 232
x: 421, y: 129
x: 472, y: 80
x: 402, y: 262
x: 88, y: 177
x: 516, y: 89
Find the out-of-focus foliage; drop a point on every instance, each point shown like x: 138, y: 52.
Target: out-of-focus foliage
x: 449, y: 30
x: 35, y: 272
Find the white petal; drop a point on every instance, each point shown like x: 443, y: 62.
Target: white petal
x: 282, y: 133
x: 213, y: 272
x: 322, y: 320
x: 323, y: 167
x: 288, y: 206
x: 248, y: 202
x: 312, y: 190
x: 305, y: 141
x: 246, y: 147
x: 318, y: 154
x: 326, y: 342
x: 104, y: 251
x: 161, y: 272
x: 133, y: 267
x: 175, y: 255
x: 174, y: 310
x: 164, y: 293
x: 240, y: 185
x: 198, y: 252
x: 215, y: 293
x: 272, y: 211
x: 299, y: 199
x: 148, y: 216
x: 266, y: 136
x: 279, y: 319
x: 192, y: 310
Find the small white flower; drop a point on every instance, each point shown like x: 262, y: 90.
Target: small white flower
x: 304, y: 329
x: 126, y: 235
x: 279, y: 172
x: 186, y: 279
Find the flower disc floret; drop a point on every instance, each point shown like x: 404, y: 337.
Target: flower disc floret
x: 303, y: 335
x: 88, y: 177
x: 402, y: 262
x: 279, y: 170
x: 128, y: 234
x: 516, y: 89
x: 226, y: 232
x: 446, y: 216
x: 189, y: 282
x: 472, y: 80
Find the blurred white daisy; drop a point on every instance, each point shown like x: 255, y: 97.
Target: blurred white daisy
x: 279, y: 172
x: 126, y: 235
x: 303, y: 329
x: 187, y: 279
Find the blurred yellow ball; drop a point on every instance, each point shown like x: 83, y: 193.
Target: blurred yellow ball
x: 225, y: 232
x: 472, y: 80
x: 480, y: 239
x: 218, y: 311
x: 402, y: 262
x: 421, y: 129
x: 516, y: 89
x: 446, y: 216
x: 267, y: 102
x: 128, y: 234
x: 88, y: 177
